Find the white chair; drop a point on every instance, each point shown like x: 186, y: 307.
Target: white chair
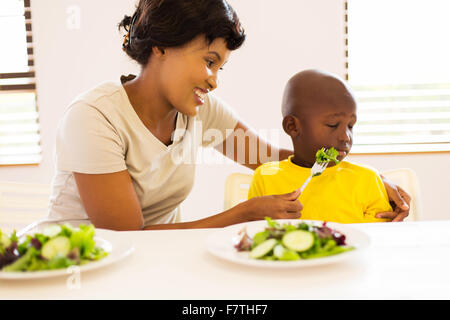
x: 178, y: 215
x: 237, y: 185
x: 407, y: 179
x: 22, y: 203
x: 236, y: 189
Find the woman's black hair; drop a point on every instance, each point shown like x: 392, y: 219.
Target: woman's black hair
x: 173, y: 23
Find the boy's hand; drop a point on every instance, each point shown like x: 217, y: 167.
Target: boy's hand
x: 399, y: 200
x: 283, y: 206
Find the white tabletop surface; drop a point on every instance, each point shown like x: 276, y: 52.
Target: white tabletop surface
x: 409, y: 260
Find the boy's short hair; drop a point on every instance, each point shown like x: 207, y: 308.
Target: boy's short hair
x: 310, y: 86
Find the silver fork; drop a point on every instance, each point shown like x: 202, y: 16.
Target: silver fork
x: 316, y: 170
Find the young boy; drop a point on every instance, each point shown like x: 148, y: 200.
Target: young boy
x: 319, y: 111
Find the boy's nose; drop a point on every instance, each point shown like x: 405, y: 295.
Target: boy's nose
x: 345, y: 136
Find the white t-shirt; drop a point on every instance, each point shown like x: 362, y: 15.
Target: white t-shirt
x: 101, y: 133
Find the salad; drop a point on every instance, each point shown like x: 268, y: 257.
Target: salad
x: 327, y: 155
x: 58, y: 246
x: 288, y: 242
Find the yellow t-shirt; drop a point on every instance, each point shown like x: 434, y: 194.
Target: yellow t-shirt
x: 345, y: 193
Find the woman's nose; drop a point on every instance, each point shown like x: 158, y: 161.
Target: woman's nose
x: 212, y: 82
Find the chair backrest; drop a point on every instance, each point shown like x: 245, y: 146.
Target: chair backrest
x: 237, y: 185
x: 22, y: 203
x: 178, y: 215
x: 407, y: 179
x: 236, y: 189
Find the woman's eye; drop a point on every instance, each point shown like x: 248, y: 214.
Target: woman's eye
x: 333, y: 125
x: 211, y: 63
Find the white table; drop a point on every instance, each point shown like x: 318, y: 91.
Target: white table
x: 409, y: 260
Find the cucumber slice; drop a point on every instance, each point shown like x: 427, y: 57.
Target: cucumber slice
x: 59, y: 245
x: 262, y: 249
x: 279, y: 250
x: 298, y: 240
x: 285, y: 254
x: 51, y: 230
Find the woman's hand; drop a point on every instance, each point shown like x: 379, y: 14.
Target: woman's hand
x: 399, y: 200
x: 283, y: 206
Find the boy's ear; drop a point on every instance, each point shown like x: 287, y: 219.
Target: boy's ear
x: 291, y: 125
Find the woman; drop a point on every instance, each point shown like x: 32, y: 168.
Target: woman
x: 126, y: 151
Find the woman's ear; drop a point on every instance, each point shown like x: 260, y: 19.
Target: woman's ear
x: 158, y: 51
x: 291, y: 125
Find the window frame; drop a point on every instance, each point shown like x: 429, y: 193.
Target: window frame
x: 24, y: 82
x: 346, y: 77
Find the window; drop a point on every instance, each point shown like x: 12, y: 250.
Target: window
x: 398, y: 65
x: 19, y: 128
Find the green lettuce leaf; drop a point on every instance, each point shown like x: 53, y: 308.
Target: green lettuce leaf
x: 327, y: 155
x: 83, y: 239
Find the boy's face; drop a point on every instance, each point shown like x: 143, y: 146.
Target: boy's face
x: 329, y: 126
x: 327, y: 123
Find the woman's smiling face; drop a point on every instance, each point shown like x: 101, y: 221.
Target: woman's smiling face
x: 189, y: 72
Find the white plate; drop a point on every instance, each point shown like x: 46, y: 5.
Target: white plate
x: 221, y: 244
x: 118, y: 248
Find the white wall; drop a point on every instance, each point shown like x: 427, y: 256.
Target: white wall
x: 283, y: 37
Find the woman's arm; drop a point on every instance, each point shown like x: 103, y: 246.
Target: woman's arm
x: 245, y: 147
x: 111, y: 202
x: 399, y: 199
x: 283, y: 206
